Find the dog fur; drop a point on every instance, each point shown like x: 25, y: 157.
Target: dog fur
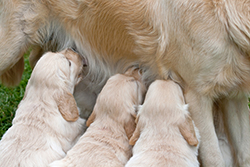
x: 165, y: 135
x: 84, y: 94
x: 204, y: 45
x: 46, y: 124
x: 111, y: 124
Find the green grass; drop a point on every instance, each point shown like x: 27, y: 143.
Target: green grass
x: 10, y: 98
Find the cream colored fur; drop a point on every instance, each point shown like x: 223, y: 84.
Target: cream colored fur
x: 111, y: 124
x: 165, y: 135
x: 46, y: 124
x: 204, y: 45
x: 85, y: 94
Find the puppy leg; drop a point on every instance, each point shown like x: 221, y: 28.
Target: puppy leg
x: 200, y: 108
x: 236, y: 114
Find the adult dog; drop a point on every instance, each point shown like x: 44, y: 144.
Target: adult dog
x: 47, y: 123
x: 204, y: 45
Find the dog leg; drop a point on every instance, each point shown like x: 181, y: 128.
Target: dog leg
x: 200, y: 108
x: 12, y: 48
x: 35, y: 55
x: 222, y: 134
x: 236, y: 113
x: 19, y: 25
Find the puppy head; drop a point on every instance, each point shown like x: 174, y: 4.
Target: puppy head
x: 58, y: 73
x: 136, y: 73
x: 76, y: 64
x: 117, y: 100
x: 164, y: 105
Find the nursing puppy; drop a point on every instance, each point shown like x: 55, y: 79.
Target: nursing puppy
x: 47, y: 123
x: 111, y: 124
x: 85, y: 94
x: 165, y: 135
x: 204, y: 43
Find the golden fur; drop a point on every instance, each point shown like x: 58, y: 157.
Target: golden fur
x: 203, y: 45
x: 46, y: 123
x: 111, y: 124
x: 165, y: 135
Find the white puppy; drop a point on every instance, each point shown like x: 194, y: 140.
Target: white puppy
x: 47, y: 122
x: 165, y: 135
x: 112, y: 123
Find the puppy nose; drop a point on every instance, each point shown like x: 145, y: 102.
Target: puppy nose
x: 82, y: 58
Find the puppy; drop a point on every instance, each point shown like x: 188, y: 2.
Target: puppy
x: 165, y: 135
x: 47, y: 123
x: 111, y: 124
x: 203, y: 45
x: 84, y: 94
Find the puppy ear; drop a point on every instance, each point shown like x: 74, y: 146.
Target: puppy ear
x: 91, y: 118
x: 188, y: 132
x: 130, y: 126
x: 68, y: 107
x: 136, y: 133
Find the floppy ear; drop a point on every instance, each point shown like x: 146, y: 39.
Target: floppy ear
x: 67, y: 107
x: 130, y: 126
x: 188, y: 132
x: 91, y: 118
x: 136, y: 133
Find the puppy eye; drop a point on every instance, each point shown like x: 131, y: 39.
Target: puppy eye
x: 132, y: 80
x: 69, y: 61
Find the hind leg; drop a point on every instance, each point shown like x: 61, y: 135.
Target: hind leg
x: 19, y: 25
x: 236, y: 114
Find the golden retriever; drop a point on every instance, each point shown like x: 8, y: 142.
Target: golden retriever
x: 84, y: 94
x: 222, y: 134
x: 204, y: 45
x: 47, y: 123
x: 165, y: 135
x: 111, y: 124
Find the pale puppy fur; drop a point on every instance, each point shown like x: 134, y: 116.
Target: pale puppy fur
x: 204, y: 45
x: 46, y: 124
x: 85, y: 94
x: 165, y: 134
x: 111, y: 124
